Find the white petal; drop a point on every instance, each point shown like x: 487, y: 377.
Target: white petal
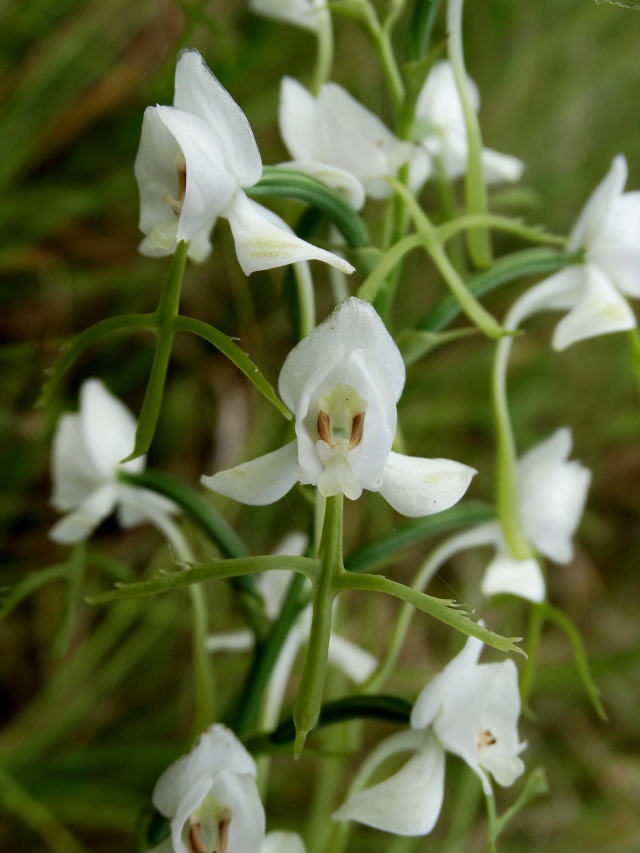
x: 73, y: 474
x: 233, y: 641
x: 200, y: 244
x: 260, y: 245
x: 515, y: 577
x: 139, y: 505
x: 439, y: 102
x: 282, y: 842
x: 107, y: 429
x: 276, y: 690
x: 417, y: 487
x: 298, y: 121
x: 262, y: 481
x: 209, y: 184
x: 407, y: 803
x: 501, y: 167
x: 356, y: 325
x: 354, y: 661
x: 239, y: 793
x: 199, y: 92
x: 273, y: 587
x: 338, y: 179
x: 156, y: 171
x: 500, y: 714
x: 594, y: 217
x: 553, y: 492
x: 601, y: 310
x: 301, y: 13
x: 420, y: 168
x: 215, y: 750
x: 79, y: 524
x: 560, y: 292
x: 443, y: 686
x: 192, y: 799
x: 292, y: 544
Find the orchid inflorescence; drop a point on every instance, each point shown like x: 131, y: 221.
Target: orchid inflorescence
x: 340, y: 386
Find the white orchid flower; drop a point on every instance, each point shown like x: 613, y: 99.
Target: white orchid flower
x: 470, y: 710
x: 211, y: 797
x: 343, y: 382
x: 337, y: 140
x: 87, y: 451
x: 441, y: 128
x: 194, y: 160
x: 300, y: 13
x: 280, y: 841
x: 608, y: 230
x: 553, y: 493
x: 355, y: 662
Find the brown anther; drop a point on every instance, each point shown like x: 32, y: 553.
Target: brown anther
x: 182, y: 182
x: 485, y: 738
x: 224, y: 821
x: 324, y: 428
x: 357, y: 427
x: 195, y: 839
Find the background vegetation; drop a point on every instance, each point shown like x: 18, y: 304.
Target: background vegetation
x: 95, y: 702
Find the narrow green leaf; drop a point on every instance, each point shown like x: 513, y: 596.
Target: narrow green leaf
x: 504, y: 270
x: 74, y: 348
x: 582, y: 662
x: 424, y: 16
x: 201, y: 572
x: 464, y: 514
x: 442, y: 609
x: 386, y: 263
x: 290, y: 184
x: 414, y: 75
x: 390, y: 709
x: 233, y: 352
x: 31, y: 583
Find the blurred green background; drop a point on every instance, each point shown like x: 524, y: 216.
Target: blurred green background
x: 84, y: 734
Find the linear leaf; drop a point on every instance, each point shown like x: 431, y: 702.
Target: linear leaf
x: 377, y: 550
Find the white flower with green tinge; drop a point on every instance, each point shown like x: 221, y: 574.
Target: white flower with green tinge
x: 439, y: 125
x: 553, y: 492
x: 88, y: 449
x: 211, y: 798
x: 342, y: 382
x: 593, y: 292
x: 337, y: 140
x: 194, y: 162
x: 300, y: 13
x: 470, y: 710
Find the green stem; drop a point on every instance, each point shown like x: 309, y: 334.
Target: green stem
x: 534, y: 633
x: 476, y: 188
x: 382, y: 40
x: 369, y: 288
x: 77, y: 566
x: 493, y: 829
x: 309, y: 699
x: 507, y: 487
x: 324, y: 55
x: 425, y: 15
x: 472, y: 308
x: 164, y: 315
x: 503, y: 223
x: 450, y: 209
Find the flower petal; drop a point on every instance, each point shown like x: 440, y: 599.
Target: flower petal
x: 261, y: 245
x: 301, y: 13
x: 500, y: 714
x: 356, y: 325
x: 79, y: 524
x: 107, y: 429
x: 239, y: 793
x: 209, y: 185
x: 282, y: 842
x: 560, y: 292
x: 73, y: 474
x: 338, y: 179
x: 601, y: 310
x: 439, y: 102
x: 501, y: 167
x: 409, y: 802
x: 139, y: 505
x: 216, y: 749
x: 192, y: 799
x: 199, y: 92
x: 595, y: 214
x: 416, y: 487
x: 262, y: 481
x: 232, y: 641
x: 298, y: 121
x: 353, y: 660
x: 515, y: 577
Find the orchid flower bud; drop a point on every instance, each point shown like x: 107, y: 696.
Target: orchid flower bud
x: 87, y: 451
x: 343, y: 382
x: 553, y: 493
x: 195, y: 159
x: 470, y: 710
x: 439, y: 124
x: 593, y: 292
x: 337, y: 140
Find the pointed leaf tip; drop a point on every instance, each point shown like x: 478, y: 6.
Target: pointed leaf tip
x: 298, y: 745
